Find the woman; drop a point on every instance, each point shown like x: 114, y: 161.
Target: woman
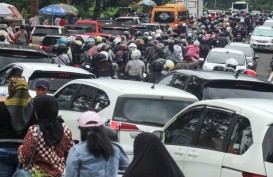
x: 96, y: 155
x: 22, y: 37
x: 193, y: 50
x: 151, y: 159
x: 55, y: 140
x: 15, y: 113
x: 135, y: 67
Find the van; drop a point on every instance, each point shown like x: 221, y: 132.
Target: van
x: 171, y: 14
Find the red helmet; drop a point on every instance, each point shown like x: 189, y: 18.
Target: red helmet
x: 250, y: 72
x: 224, y: 27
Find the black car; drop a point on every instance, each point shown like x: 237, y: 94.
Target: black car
x: 218, y: 85
x: 114, y: 30
x: 14, y: 53
x: 49, y: 41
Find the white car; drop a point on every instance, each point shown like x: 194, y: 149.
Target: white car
x: 57, y: 76
x: 218, y: 57
x: 268, y: 23
x: 129, y: 107
x: 262, y: 38
x: 222, y: 138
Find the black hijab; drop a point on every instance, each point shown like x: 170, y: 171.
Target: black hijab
x: 151, y: 159
x: 46, y: 109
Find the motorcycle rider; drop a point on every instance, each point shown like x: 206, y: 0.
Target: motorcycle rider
x: 135, y: 67
x: 155, y: 74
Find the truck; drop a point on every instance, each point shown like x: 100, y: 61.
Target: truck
x: 195, y: 7
x: 239, y: 6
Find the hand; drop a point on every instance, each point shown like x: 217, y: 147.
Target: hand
x: 19, y: 149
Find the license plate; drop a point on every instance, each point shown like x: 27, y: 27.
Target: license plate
x: 261, y: 46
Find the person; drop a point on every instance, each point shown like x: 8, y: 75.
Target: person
x: 151, y: 159
x: 135, y: 67
x: 171, y: 54
x: 62, y: 21
x: 156, y: 71
x: 54, y: 143
x: 193, y: 50
x: 96, y: 155
x: 42, y: 87
x: 4, y: 31
x: 61, y: 58
x: 15, y: 113
x: 57, y: 21
x: 21, y: 37
x: 3, y: 39
x: 102, y: 67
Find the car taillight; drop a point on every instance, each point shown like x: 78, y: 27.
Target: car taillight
x: 251, y: 175
x: 41, y: 47
x: 77, y: 65
x: 122, y: 126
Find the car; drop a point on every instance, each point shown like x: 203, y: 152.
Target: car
x: 222, y: 137
x: 218, y: 84
x: 40, y: 31
x: 218, y: 57
x: 248, y: 51
x: 114, y: 30
x: 144, y: 27
x: 154, y: 26
x: 128, y: 107
x: 125, y: 21
x: 48, y: 42
x: 56, y: 75
x: 268, y: 23
x: 13, y: 53
x: 262, y: 38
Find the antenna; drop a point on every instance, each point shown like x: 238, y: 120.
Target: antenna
x: 153, y: 86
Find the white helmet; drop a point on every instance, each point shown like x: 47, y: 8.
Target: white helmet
x: 132, y: 46
x: 231, y: 63
x: 196, y: 43
x: 136, y: 54
x: 169, y: 65
x: 117, y: 40
x: 150, y: 38
x: 71, y: 39
x: 105, y: 54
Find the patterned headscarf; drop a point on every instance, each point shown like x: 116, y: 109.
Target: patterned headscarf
x: 18, y: 104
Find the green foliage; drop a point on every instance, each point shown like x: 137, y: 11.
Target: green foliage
x: 109, y: 12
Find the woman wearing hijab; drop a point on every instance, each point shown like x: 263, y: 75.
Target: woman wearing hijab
x: 151, y: 159
x: 55, y: 139
x: 15, y: 113
x: 96, y: 155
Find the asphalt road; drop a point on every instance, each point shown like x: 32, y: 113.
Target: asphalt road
x: 263, y: 68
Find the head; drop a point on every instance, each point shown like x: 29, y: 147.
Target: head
x: 231, y: 63
x: 22, y: 27
x: 17, y: 84
x: 136, y: 54
x: 93, y: 132
x: 42, y: 87
x: 2, y: 38
x: 196, y: 43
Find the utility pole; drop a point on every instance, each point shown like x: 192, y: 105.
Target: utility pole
x: 214, y: 4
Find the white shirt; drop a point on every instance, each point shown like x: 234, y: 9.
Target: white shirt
x: 178, y: 49
x: 57, y: 21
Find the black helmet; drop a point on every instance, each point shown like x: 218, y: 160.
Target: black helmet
x: 176, y: 41
x: 138, y: 33
x: 126, y: 33
x: 175, y: 35
x: 112, y: 38
x: 100, y: 57
x: 62, y: 49
x: 157, y: 66
x: 55, y: 49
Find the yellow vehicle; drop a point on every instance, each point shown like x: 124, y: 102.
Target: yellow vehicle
x: 171, y: 14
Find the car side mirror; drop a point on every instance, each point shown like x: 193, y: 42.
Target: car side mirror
x: 257, y: 56
x: 159, y: 134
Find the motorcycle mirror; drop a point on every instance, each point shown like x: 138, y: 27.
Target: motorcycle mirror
x: 87, y: 66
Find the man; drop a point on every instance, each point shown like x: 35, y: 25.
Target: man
x: 57, y: 21
x: 42, y: 87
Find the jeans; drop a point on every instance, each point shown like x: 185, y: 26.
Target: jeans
x: 8, y: 161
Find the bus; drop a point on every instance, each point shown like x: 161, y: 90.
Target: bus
x: 240, y: 6
x: 171, y: 14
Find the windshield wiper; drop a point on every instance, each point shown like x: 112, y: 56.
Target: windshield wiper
x: 152, y: 123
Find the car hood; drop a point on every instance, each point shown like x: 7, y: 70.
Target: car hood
x: 262, y: 39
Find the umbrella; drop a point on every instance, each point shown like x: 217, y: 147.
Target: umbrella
x: 147, y: 3
x: 7, y: 10
x: 59, y: 9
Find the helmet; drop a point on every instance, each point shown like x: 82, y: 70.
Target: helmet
x: 138, y: 33
x: 250, y: 72
x: 127, y: 34
x: 159, y: 31
x: 63, y: 40
x: 139, y: 42
x: 132, y: 46
x: 160, y: 46
x: 200, y: 37
x: 169, y: 65
x: 123, y: 47
x: 3, y: 27
x: 78, y: 42
x: 189, y: 35
x: 157, y: 66
x: 105, y: 54
x: 224, y: 27
x: 117, y: 40
x: 55, y: 49
x: 100, y: 47
x: 98, y: 39
x: 231, y: 63
x: 146, y: 33
x: 61, y: 49
x: 88, y: 46
x: 112, y: 38
x: 136, y: 54
x: 101, y: 57
x: 105, y: 47
x: 196, y: 43
x: 150, y: 38
x: 71, y: 39
x: 123, y: 38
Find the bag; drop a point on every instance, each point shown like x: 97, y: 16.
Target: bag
x: 25, y: 172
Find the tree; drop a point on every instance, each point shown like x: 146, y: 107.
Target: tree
x: 34, y: 7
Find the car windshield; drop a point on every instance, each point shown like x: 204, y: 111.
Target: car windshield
x: 263, y: 32
x: 56, y: 79
x: 248, y: 51
x: 50, y: 41
x: 268, y: 23
x: 237, y: 89
x: 45, y: 31
x: 77, y: 31
x: 164, y: 17
x: 147, y: 111
x: 239, y: 6
x: 11, y: 56
x: 221, y: 57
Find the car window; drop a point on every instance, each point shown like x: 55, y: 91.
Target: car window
x: 84, y: 98
x: 221, y: 57
x: 15, y: 72
x: 64, y: 96
x: 194, y: 87
x: 241, y: 138
x: 41, y: 31
x: 248, y: 51
x: 4, y: 75
x: 101, y: 101
x: 214, y: 130
x: 268, y: 145
x: 180, y: 81
x: 147, y: 111
x: 50, y: 41
x: 181, y: 131
x: 263, y: 32
x: 167, y: 80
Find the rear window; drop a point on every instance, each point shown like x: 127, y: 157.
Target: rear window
x: 268, y: 145
x: 237, y: 89
x: 50, y: 41
x: 126, y: 21
x: 221, y: 57
x: 147, y: 111
x: 114, y: 31
x: 11, y: 56
x: 56, y: 79
x: 45, y: 31
x: 164, y: 17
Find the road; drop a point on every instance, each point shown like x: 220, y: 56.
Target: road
x: 263, y: 68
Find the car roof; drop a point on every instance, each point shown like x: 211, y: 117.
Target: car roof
x: 49, y: 26
x: 134, y: 87
x: 264, y: 27
x: 21, y: 48
x: 226, y: 50
x: 249, y: 104
x: 51, y: 67
x: 149, y: 24
x: 239, y: 44
x: 269, y: 20
x: 219, y: 75
x: 56, y: 36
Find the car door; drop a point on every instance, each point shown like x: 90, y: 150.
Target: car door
x: 206, y: 156
x: 194, y: 86
x: 167, y: 80
x: 180, y: 81
x: 179, y: 134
